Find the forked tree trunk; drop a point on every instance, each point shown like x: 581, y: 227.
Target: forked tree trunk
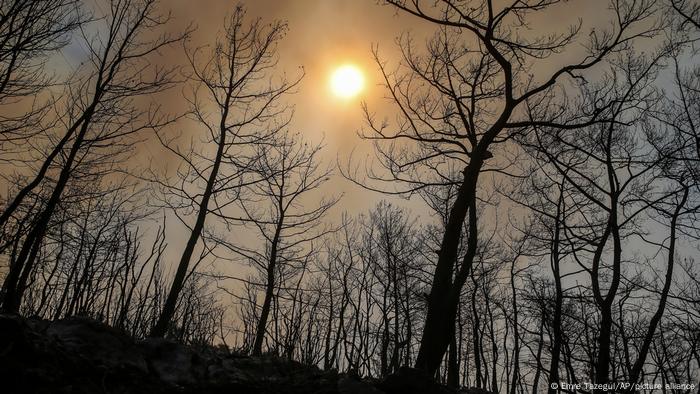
x: 439, y: 320
x: 444, y: 297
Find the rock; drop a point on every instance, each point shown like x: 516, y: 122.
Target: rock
x: 97, y: 344
x: 37, y: 324
x: 414, y: 381
x: 474, y: 391
x: 348, y: 384
x: 81, y: 355
x: 271, y: 374
x: 170, y: 362
x: 411, y: 380
x: 13, y: 338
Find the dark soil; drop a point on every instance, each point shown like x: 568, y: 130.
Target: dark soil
x: 79, y: 355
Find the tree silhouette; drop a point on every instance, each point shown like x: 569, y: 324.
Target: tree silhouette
x: 100, y: 111
x: 465, y: 98
x: 231, y: 78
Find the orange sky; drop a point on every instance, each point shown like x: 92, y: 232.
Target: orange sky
x: 324, y: 34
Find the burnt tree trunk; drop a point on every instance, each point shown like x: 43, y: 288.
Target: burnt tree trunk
x: 164, y: 320
x: 269, y: 293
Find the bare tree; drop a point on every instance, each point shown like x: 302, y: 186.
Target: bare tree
x: 391, y: 249
x: 100, y: 112
x: 234, y: 78
x: 688, y: 11
x: 614, y: 182
x: 30, y: 32
x: 459, y: 102
x: 674, y: 135
x: 279, y: 209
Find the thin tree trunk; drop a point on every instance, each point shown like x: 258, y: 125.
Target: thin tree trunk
x: 269, y: 291
x: 556, y: 319
x: 14, y: 284
x: 164, y: 320
x: 641, y: 358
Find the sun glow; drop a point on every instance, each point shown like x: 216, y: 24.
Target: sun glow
x: 347, y: 81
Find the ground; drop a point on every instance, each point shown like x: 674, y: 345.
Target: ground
x: 80, y: 355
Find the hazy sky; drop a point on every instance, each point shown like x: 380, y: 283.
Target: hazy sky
x: 323, y: 35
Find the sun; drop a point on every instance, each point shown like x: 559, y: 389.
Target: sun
x: 347, y: 81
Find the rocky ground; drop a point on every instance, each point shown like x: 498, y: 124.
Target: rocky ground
x: 79, y: 355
